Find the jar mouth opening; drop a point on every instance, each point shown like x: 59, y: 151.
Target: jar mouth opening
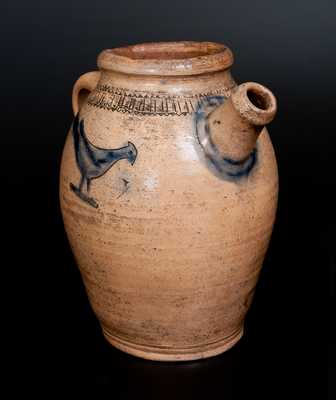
x: 167, y: 58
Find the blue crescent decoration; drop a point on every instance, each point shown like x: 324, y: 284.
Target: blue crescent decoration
x: 223, y: 167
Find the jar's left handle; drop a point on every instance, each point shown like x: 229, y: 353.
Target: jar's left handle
x: 82, y: 88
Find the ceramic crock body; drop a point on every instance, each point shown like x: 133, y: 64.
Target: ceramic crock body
x: 169, y: 250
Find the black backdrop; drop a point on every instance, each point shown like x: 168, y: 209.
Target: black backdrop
x: 287, y: 45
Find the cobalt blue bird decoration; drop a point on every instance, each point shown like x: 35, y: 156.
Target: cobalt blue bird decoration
x: 94, y: 161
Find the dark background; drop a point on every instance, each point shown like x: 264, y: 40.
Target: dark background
x: 288, y: 46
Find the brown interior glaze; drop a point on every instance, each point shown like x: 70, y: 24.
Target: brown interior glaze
x: 167, y: 58
x: 259, y: 98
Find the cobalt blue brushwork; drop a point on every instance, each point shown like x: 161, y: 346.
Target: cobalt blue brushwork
x: 93, y: 161
x: 224, y: 167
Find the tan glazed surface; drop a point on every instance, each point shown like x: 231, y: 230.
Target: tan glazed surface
x: 168, y: 190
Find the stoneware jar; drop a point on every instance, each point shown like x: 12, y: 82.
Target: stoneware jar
x: 168, y: 191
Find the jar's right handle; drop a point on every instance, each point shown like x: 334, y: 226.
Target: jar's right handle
x: 82, y: 88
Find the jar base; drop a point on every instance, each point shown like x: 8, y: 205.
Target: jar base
x: 157, y: 353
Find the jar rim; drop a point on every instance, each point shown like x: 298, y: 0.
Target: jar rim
x: 167, y: 58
